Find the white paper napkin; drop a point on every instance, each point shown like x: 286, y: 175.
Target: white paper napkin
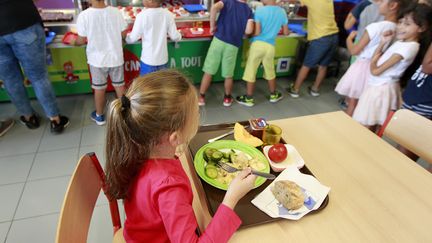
x: 314, y: 191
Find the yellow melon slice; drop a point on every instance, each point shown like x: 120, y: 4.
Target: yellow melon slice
x: 241, y: 135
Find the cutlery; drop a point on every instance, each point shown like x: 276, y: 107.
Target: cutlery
x: 231, y: 169
x: 222, y: 136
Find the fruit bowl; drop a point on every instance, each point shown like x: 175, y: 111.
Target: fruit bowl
x: 293, y: 159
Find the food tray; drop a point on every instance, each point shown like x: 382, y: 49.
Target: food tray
x: 248, y: 213
x: 69, y: 37
x: 194, y: 7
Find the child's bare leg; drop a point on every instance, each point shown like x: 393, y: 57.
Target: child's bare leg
x: 228, y: 85
x: 250, y: 88
x: 352, y: 103
x: 372, y: 128
x: 322, y: 72
x: 407, y: 152
x: 99, y: 98
x: 120, y: 90
x: 301, y: 76
x: 205, y: 83
x: 272, y: 85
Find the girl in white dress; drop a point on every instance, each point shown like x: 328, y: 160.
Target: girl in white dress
x: 382, y: 93
x: 355, y: 78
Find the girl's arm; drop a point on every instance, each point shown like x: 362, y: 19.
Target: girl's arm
x: 349, y: 21
x: 378, y: 70
x: 427, y: 61
x: 356, y: 49
x: 174, y: 204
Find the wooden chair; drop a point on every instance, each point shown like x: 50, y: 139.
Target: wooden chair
x: 411, y: 131
x: 80, y: 199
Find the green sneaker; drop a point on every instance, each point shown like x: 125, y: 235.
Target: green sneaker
x: 275, y: 97
x: 244, y: 100
x: 292, y: 92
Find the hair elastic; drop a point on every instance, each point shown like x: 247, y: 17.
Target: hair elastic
x: 125, y: 102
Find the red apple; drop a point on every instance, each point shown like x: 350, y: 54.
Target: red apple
x: 278, y: 153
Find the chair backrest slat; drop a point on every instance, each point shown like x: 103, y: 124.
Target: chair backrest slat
x: 412, y: 131
x: 79, y: 202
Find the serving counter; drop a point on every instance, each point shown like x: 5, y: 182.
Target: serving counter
x: 69, y: 73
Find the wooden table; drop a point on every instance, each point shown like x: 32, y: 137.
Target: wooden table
x: 377, y: 194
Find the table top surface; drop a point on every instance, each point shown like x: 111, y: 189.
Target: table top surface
x: 377, y: 194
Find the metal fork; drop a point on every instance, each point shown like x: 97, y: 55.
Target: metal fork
x: 231, y: 169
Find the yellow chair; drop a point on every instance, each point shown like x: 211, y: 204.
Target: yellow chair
x: 79, y: 202
x: 412, y: 131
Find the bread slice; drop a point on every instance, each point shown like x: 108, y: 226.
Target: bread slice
x: 289, y: 194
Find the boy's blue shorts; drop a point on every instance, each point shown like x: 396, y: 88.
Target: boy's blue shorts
x: 145, y: 69
x: 320, y: 51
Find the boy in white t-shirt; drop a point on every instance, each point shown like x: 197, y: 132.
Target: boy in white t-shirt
x: 152, y: 25
x: 104, y: 27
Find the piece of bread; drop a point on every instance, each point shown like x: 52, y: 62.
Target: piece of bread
x: 289, y: 194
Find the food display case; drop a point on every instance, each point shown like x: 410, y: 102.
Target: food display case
x: 67, y: 65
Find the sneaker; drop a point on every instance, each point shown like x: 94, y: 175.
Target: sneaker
x: 201, y: 100
x: 32, y: 123
x: 313, y: 92
x: 292, y: 92
x: 244, y: 100
x: 228, y: 100
x: 275, y: 97
x: 99, y: 119
x: 342, y: 104
x: 57, y: 128
x: 5, y: 126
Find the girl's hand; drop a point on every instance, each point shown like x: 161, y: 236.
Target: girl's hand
x: 240, y: 185
x: 352, y: 35
x: 387, y: 36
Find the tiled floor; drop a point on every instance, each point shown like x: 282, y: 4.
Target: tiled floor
x: 35, y: 166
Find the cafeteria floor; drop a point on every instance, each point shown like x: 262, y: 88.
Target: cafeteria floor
x: 35, y: 166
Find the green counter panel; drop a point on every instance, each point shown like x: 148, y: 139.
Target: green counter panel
x: 68, y: 70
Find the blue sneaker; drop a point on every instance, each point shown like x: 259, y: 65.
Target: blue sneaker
x: 99, y: 119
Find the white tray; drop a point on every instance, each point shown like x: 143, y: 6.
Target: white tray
x: 293, y: 159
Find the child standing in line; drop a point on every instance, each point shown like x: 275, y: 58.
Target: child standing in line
x: 151, y: 26
x: 235, y: 20
x: 323, y: 42
x: 382, y: 93
x: 268, y: 21
x: 353, y: 82
x: 159, y: 114
x: 104, y: 27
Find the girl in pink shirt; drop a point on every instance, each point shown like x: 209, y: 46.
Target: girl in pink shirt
x: 156, y: 117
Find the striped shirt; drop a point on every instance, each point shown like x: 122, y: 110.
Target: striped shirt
x: 418, y: 94
x: 423, y: 110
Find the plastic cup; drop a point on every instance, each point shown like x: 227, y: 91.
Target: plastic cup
x: 271, y: 134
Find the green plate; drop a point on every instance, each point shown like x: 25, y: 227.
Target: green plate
x: 200, y: 163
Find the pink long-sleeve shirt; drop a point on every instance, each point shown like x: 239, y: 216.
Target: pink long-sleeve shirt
x: 159, y: 208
